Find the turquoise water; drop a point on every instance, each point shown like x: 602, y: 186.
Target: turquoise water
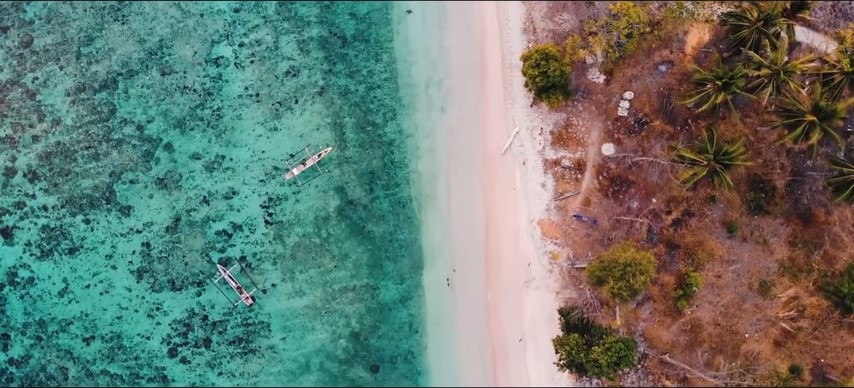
x: 144, y: 142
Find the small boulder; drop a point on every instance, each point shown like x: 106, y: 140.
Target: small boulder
x: 26, y: 41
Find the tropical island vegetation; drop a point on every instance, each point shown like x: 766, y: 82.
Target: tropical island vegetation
x: 729, y: 210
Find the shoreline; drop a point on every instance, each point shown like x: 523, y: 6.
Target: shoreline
x: 490, y: 298
x: 519, y: 277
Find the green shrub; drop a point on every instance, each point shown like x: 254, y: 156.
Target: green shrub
x: 623, y: 271
x: 589, y: 349
x: 766, y: 288
x: 732, y: 227
x: 546, y: 74
x: 619, y: 32
x: 575, y: 50
x: 690, y: 286
x: 761, y: 194
x: 839, y: 289
x: 678, y: 11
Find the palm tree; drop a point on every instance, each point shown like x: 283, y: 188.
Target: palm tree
x: 776, y: 73
x: 842, y: 184
x: 808, y: 118
x: 838, y: 74
x: 711, y: 158
x: 718, y: 86
x: 753, y: 24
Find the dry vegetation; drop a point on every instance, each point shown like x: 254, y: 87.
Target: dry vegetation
x: 759, y: 309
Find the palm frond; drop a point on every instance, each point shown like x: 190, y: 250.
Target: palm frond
x: 842, y: 184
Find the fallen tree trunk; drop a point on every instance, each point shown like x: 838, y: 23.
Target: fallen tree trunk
x: 666, y: 358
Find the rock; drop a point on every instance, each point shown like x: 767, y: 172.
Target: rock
x: 608, y: 149
x: 26, y: 41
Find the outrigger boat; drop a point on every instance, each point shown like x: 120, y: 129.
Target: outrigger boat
x: 305, y: 163
x: 245, y: 297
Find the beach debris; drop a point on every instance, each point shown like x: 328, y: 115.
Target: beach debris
x: 585, y: 219
x: 595, y: 75
x: 623, y: 109
x: 608, y: 149
x: 664, y: 66
x: 513, y: 136
x: 567, y: 195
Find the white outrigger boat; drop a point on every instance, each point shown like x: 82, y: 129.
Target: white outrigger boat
x: 305, y: 163
x: 245, y: 297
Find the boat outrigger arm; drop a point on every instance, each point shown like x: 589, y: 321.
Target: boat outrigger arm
x: 305, y: 163
x: 244, y: 296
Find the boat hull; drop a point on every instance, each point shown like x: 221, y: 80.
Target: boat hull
x: 305, y: 165
x: 235, y: 285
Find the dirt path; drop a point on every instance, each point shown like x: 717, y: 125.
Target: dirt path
x: 594, y: 144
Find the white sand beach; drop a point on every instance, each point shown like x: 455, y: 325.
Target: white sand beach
x: 490, y: 300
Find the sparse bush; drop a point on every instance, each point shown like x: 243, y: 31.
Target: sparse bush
x: 713, y: 199
x: 623, y: 271
x: 546, y: 74
x: 697, y: 251
x: 790, y: 377
x: 589, y: 349
x: 839, y: 289
x: 690, y: 286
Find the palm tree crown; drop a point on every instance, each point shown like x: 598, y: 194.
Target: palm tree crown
x: 711, y: 158
x: 752, y: 25
x: 718, y: 86
x: 838, y: 74
x: 776, y: 73
x: 808, y: 118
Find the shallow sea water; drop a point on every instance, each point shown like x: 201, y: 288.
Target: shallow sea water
x: 144, y: 142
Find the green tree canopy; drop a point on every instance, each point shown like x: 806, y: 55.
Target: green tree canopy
x: 546, y: 74
x: 589, y: 349
x: 623, y: 271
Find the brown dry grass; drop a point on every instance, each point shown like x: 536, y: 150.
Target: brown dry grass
x: 731, y: 330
